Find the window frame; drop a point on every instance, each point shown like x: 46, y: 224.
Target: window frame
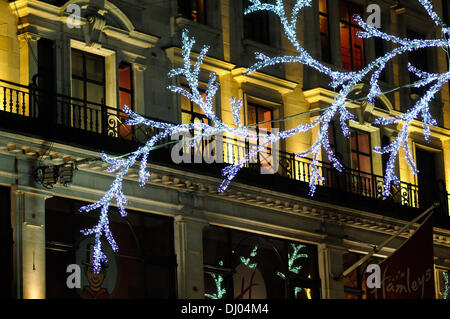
x: 227, y: 268
x: 252, y: 24
x: 325, y: 15
x: 351, y: 26
x: 186, y: 11
x: 131, y: 91
x: 84, y: 78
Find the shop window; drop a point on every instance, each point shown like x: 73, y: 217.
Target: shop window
x: 250, y: 266
x: 194, y: 10
x: 442, y: 284
x: 144, y: 267
x: 324, y: 31
x: 125, y: 98
x: 88, y: 91
x: 352, y: 47
x: 256, y: 25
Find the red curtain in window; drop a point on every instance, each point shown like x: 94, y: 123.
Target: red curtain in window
x: 352, y: 47
x: 125, y: 98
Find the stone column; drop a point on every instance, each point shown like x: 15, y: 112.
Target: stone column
x: 330, y: 267
x: 28, y: 55
x: 29, y: 249
x: 139, y: 92
x: 188, y: 236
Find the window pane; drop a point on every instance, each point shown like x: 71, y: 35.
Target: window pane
x: 343, y: 11
x: 264, y: 115
x: 252, y: 117
x: 216, y: 247
x: 125, y: 99
x: 323, y: 6
x: 77, y: 90
x: 364, y: 164
x: 345, y: 46
x: 325, y: 39
x: 355, y: 161
x: 77, y: 63
x: 353, y: 142
x: 95, y: 93
x: 95, y: 68
x: 357, y: 50
x: 125, y: 76
x: 256, y: 25
x: 364, y: 143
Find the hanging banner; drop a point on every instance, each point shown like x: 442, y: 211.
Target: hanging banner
x: 409, y: 272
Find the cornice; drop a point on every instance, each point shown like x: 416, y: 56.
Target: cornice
x: 185, y: 181
x: 282, y: 86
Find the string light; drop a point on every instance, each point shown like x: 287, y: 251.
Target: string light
x: 342, y: 82
x: 247, y: 261
x: 218, y: 280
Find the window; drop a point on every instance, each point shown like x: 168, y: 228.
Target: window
x: 324, y: 31
x: 442, y: 284
x: 192, y: 113
x: 88, y: 90
x: 125, y: 98
x: 419, y: 59
x: 194, y: 10
x: 256, y: 25
x: 256, y: 115
x: 379, y: 52
x: 144, y: 267
x: 258, y: 267
x: 361, y: 153
x: 352, y: 47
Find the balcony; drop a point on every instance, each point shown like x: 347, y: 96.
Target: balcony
x: 64, y: 119
x: 94, y: 126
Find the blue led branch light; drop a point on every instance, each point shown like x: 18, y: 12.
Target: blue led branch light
x: 342, y: 82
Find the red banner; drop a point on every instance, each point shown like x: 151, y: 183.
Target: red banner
x: 409, y: 272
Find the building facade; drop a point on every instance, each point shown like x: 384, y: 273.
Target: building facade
x: 64, y: 81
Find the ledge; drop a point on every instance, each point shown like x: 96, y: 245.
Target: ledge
x: 268, y: 81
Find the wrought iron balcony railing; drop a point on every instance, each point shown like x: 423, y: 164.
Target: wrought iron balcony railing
x: 26, y: 108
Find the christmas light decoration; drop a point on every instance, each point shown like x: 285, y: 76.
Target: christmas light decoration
x: 295, y: 255
x: 247, y: 261
x: 218, y: 280
x: 342, y: 82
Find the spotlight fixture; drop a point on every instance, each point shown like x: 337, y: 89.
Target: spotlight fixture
x: 65, y: 173
x: 47, y: 176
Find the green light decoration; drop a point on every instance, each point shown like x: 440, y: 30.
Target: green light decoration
x: 247, y: 261
x: 281, y: 275
x: 294, y: 257
x: 445, y: 274
x: 218, y: 279
x: 297, y: 290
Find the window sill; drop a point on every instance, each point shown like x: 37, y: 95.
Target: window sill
x: 251, y: 45
x: 186, y: 23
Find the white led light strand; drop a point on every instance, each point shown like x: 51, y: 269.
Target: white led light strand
x: 342, y: 82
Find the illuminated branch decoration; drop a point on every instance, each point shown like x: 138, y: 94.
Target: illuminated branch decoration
x: 248, y: 261
x: 342, y: 82
x: 218, y: 280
